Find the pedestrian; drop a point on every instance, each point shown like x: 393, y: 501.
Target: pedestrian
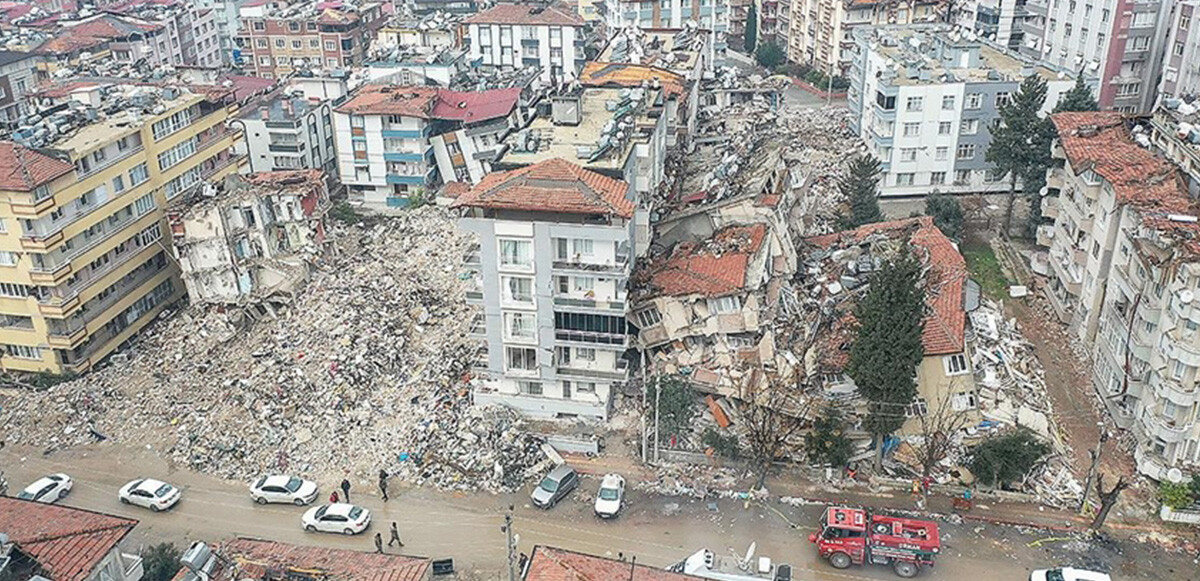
x: 395, y: 535
x: 383, y: 483
x: 378, y: 543
x: 346, y: 489
x: 333, y: 497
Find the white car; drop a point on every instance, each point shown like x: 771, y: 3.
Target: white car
x: 612, y: 492
x: 153, y: 494
x: 283, y: 489
x: 339, y: 517
x: 1068, y: 574
x: 47, y: 489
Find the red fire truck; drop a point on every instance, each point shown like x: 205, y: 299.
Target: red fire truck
x: 852, y: 536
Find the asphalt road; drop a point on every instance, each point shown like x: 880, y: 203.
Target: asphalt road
x: 466, y: 527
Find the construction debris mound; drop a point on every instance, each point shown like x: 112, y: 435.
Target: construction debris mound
x: 364, y: 370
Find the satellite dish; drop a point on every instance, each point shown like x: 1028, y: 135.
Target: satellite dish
x: 1186, y: 296
x: 1175, y: 475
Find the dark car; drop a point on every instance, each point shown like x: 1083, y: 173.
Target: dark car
x: 555, y: 486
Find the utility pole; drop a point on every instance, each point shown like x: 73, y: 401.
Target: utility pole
x: 657, y: 394
x: 645, y: 436
x: 1095, y: 454
x: 511, y: 543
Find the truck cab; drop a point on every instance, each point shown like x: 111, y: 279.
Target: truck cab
x: 851, y: 536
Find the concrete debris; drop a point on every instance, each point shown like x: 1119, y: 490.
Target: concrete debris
x: 365, y: 370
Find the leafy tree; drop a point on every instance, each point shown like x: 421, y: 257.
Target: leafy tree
x: 677, y: 404
x: 1175, y: 496
x: 827, y: 443
x: 751, y: 37
x: 722, y: 444
x: 1195, y: 485
x: 770, y: 420
x: 769, y: 55
x: 947, y: 214
x: 1079, y: 98
x: 884, y: 357
x: 1021, y: 141
x: 859, y: 187
x: 1002, y: 459
x: 160, y: 562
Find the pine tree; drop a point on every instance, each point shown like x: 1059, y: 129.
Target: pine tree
x: 885, y: 356
x: 1021, y: 141
x: 947, y: 214
x: 750, y: 40
x: 1079, y: 98
x: 859, y: 187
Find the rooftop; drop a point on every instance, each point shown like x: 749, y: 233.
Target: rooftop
x: 934, y: 54
x: 8, y: 57
x: 68, y: 543
x: 551, y: 564
x: 555, y: 185
x: 945, y: 325
x: 675, y: 49
x: 432, y: 103
x: 557, y: 14
x: 625, y: 75
x: 713, y: 268
x: 264, y: 560
x: 23, y: 169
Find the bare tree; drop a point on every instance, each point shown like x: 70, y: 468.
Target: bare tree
x: 772, y: 418
x: 938, y: 426
x: 1107, y: 499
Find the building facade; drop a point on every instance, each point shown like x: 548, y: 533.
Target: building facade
x: 1121, y: 44
x: 929, y: 123
x: 514, y: 36
x: 85, y: 266
x: 710, y: 15
x: 1181, y: 63
x: 18, y: 72
x: 819, y: 31
x: 277, y: 38
x: 286, y: 130
x: 999, y: 21
x: 555, y: 250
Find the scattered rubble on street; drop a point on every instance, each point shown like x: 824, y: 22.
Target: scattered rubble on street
x: 364, y: 370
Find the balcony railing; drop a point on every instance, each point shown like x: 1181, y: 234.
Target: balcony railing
x: 564, y: 264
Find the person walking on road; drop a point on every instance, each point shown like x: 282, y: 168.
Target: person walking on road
x: 395, y: 535
x: 383, y: 483
x: 378, y: 543
x: 333, y: 497
x: 346, y: 489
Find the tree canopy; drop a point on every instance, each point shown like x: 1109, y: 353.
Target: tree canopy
x: 1079, y: 98
x: 859, y: 187
x: 1021, y: 141
x: 1002, y: 459
x: 677, y: 404
x: 769, y: 55
x: 827, y: 443
x: 751, y: 37
x: 947, y: 214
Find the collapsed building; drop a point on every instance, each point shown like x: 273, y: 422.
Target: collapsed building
x: 251, y: 242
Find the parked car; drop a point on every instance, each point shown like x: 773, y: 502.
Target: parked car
x: 339, y: 517
x: 47, y: 489
x: 1068, y: 574
x: 555, y: 486
x: 153, y: 494
x: 283, y: 489
x: 610, y: 496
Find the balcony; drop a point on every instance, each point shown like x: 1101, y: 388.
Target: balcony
x: 107, y: 163
x: 297, y: 147
x: 615, y: 374
x: 1045, y: 235
x: 590, y: 303
x: 1170, y: 390
x: 418, y: 180
x: 620, y: 267
x: 588, y: 339
x: 1168, y: 430
x: 1050, y: 206
x: 402, y: 156
x: 44, y: 243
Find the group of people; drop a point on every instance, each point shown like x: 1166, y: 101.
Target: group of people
x: 383, y: 491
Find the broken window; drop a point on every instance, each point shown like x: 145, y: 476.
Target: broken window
x: 962, y: 402
x: 520, y: 359
x: 516, y: 253
x: 725, y: 305
x: 956, y: 364
x: 648, y: 317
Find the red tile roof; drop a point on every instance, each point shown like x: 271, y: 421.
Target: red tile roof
x: 112, y: 26
x: 255, y: 557
x: 430, y: 103
x: 945, y: 325
x: 68, y: 543
x: 550, y: 564
x: 67, y: 43
x: 472, y: 106
x: 626, y: 75
x: 557, y: 14
x: 554, y: 185
x: 713, y: 268
x: 23, y: 169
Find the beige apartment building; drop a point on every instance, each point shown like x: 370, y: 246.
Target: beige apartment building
x: 84, y: 246
x: 819, y: 30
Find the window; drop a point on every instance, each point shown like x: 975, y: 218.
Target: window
x: 283, y: 61
x: 962, y: 177
x: 884, y: 102
x: 585, y: 387
x: 520, y: 325
x: 912, y: 129
x: 173, y: 156
x: 118, y: 184
x: 264, y: 61
x: 914, y: 104
x: 585, y: 284
x: 261, y: 43
x: 942, y: 153
x: 974, y: 101
x: 969, y: 127
x: 516, y: 254
x: 961, y: 402
x: 23, y: 352
x: 937, y: 178
x: 966, y: 151
x: 314, y: 43
x: 908, y: 154
x: 1002, y: 99
x: 1184, y: 21
x: 517, y: 289
x: 904, y: 179
x: 330, y: 45
x: 582, y: 247
x: 944, y: 128
x: 14, y: 291
x: 259, y: 25
x: 143, y: 204
x: 948, y: 103
x: 520, y: 359
x: 8, y: 258
x: 530, y: 387
x: 297, y: 44
x: 919, y: 407
x: 1178, y: 49
x: 1177, y: 370
x: 1129, y: 89
x: 725, y: 305
x: 585, y: 354
x: 1103, y: 15
x: 138, y: 174
x: 3, y: 226
x: 648, y: 317
x: 956, y: 364
x: 1140, y: 43
x: 171, y: 124
x: 357, y: 121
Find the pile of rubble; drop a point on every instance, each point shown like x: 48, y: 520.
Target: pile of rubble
x: 365, y: 370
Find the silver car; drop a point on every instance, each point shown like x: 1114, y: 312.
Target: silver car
x: 555, y: 486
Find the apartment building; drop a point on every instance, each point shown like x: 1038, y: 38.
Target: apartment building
x: 820, y: 30
x: 395, y: 142
x: 18, y: 72
x: 1181, y: 63
x: 923, y: 99
x: 195, y: 30
x: 286, y: 129
x: 513, y: 36
x: 85, y: 267
x: 277, y: 37
x: 999, y: 21
x: 1123, y: 272
x: 154, y: 34
x: 556, y: 243
x: 1119, y: 43
x: 711, y: 15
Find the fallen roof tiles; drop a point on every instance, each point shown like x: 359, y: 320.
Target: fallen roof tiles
x: 713, y: 268
x: 551, y: 564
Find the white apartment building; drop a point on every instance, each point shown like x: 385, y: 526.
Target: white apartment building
x: 1119, y: 43
x: 710, y: 15
x: 1181, y: 63
x: 820, y: 31
x: 996, y: 20
x: 551, y: 270
x: 291, y: 128
x: 1124, y: 273
x: 514, y: 36
x: 923, y: 98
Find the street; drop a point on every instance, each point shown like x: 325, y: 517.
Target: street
x: 658, y: 530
